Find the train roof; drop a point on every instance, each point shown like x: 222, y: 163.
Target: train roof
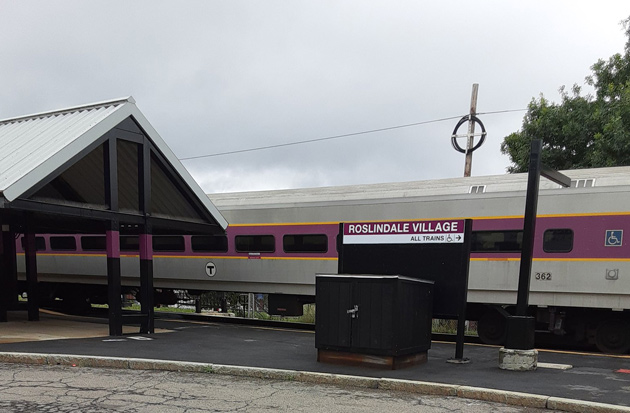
x: 583, y: 178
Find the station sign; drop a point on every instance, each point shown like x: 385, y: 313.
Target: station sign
x: 404, y: 232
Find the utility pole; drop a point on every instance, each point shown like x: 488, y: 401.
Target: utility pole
x: 471, y: 119
x: 471, y: 129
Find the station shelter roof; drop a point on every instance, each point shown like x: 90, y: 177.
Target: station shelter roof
x: 71, y: 168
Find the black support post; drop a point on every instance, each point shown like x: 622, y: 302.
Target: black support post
x: 30, y: 260
x: 8, y: 273
x: 146, y: 282
x: 112, y: 239
x: 521, y: 327
x: 110, y: 161
x: 529, y: 228
x: 4, y: 287
x: 114, y: 280
x: 462, y: 299
x: 146, y: 239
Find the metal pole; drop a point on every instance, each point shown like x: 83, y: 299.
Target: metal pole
x: 146, y: 280
x: 471, y: 130
x: 529, y: 228
x: 114, y: 301
x: 30, y: 261
x: 8, y: 273
x: 147, y: 302
x: 521, y: 327
x: 462, y: 299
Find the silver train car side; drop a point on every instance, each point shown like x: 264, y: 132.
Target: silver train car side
x: 278, y: 240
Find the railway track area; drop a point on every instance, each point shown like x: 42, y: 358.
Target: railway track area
x: 544, y: 340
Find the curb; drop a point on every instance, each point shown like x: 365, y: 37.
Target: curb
x: 408, y: 386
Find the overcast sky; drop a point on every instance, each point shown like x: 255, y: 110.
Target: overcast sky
x: 219, y: 76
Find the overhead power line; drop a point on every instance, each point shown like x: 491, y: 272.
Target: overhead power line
x: 327, y: 138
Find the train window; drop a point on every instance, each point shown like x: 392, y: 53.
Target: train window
x: 209, y: 243
x: 129, y: 243
x: 255, y: 243
x: 168, y: 243
x: 305, y: 243
x: 63, y: 243
x: 40, y: 243
x: 558, y: 240
x: 477, y: 189
x: 497, y: 241
x: 582, y: 183
x: 93, y: 243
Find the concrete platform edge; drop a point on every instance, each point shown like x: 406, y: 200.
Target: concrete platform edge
x: 409, y: 386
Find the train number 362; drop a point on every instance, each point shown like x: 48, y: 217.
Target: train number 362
x: 543, y: 276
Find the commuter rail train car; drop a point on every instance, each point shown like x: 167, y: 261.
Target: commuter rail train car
x: 278, y: 240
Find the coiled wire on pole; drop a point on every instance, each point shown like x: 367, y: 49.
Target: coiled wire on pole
x: 460, y: 123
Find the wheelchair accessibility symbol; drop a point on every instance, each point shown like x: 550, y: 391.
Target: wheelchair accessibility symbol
x: 614, y: 238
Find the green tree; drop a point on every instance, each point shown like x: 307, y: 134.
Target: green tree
x: 582, y: 131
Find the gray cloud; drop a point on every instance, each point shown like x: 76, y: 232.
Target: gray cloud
x: 214, y: 76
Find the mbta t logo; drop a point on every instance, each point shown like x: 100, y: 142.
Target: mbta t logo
x: 211, y: 269
x: 614, y: 238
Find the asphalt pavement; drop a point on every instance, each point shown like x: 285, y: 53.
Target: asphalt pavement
x: 592, y: 381
x: 70, y: 389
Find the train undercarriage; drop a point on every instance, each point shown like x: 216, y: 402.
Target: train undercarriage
x: 567, y: 327
x: 607, y: 330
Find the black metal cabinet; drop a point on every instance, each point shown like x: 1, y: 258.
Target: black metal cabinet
x: 373, y: 314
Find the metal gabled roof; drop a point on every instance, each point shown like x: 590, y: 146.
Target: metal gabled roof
x: 33, y: 147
